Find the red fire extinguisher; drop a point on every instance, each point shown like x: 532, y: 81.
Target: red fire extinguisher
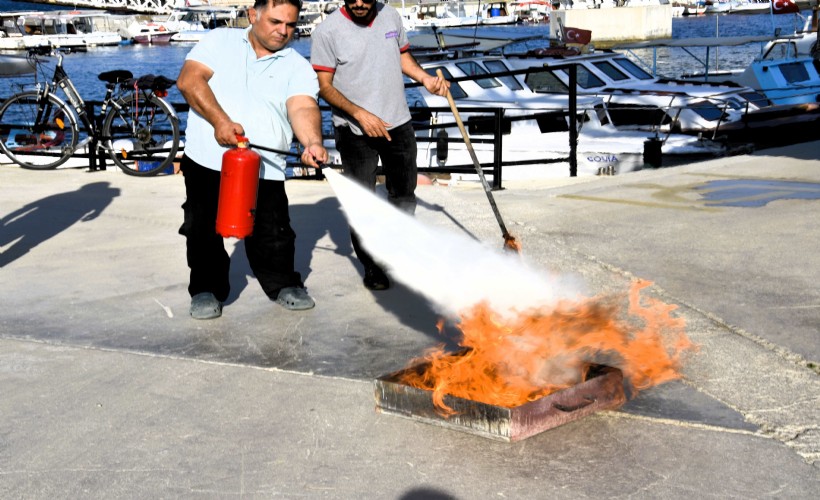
x: 237, y: 191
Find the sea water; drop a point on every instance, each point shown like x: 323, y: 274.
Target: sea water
x: 83, y: 67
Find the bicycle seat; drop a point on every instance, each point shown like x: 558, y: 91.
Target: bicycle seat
x: 116, y: 76
x: 153, y: 82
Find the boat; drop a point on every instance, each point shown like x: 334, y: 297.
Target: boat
x: 790, y: 86
x: 12, y: 65
x: 153, y: 34
x: 750, y: 6
x: 719, y: 6
x: 789, y: 80
x: 314, y: 12
x: 86, y: 28
x: 189, y: 24
x: 13, y: 35
x: 497, y: 99
x: 801, y: 43
x: 455, y: 14
x: 532, y: 11
x: 690, y: 8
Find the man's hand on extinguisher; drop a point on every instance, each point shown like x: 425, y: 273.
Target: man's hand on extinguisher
x: 315, y: 155
x: 226, y: 133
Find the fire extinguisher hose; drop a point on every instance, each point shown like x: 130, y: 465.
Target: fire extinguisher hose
x: 271, y: 150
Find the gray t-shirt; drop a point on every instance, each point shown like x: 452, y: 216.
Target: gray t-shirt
x: 365, y: 62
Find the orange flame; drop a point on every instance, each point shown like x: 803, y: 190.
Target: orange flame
x: 511, y: 362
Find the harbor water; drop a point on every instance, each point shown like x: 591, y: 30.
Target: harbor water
x: 83, y: 67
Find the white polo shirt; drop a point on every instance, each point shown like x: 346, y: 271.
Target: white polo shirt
x: 253, y: 92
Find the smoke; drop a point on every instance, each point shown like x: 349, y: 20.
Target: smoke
x: 453, y: 271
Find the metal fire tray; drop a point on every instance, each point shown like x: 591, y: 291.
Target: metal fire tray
x: 603, y: 390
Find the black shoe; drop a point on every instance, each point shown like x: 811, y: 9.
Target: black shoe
x: 375, y: 279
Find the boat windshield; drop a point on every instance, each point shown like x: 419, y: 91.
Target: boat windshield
x: 499, y: 67
x: 633, y: 68
x: 611, y: 71
x: 472, y: 68
x: 795, y: 72
x: 585, y: 78
x: 546, y: 82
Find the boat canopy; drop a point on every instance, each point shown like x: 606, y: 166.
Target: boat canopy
x: 705, y: 41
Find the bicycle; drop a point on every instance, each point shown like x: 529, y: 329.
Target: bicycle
x: 138, y: 130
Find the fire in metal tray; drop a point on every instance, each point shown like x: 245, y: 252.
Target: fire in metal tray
x: 602, y: 390
x: 519, y: 376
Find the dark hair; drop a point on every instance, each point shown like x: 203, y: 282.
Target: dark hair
x: 260, y: 4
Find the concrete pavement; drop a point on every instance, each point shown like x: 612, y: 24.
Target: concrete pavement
x: 109, y: 389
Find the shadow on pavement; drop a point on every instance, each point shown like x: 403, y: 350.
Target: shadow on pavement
x: 47, y: 217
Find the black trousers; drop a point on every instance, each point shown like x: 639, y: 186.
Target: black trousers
x: 270, y: 249
x: 360, y: 156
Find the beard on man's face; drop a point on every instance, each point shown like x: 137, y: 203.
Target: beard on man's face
x: 361, y: 11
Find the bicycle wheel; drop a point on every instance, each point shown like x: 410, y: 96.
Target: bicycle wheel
x: 141, y: 135
x: 37, y: 133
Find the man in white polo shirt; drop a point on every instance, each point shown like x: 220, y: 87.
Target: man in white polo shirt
x: 248, y: 83
x: 360, y: 53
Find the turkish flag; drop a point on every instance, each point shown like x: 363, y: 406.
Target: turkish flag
x: 784, y: 7
x: 583, y: 37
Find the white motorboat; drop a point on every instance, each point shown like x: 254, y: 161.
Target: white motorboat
x: 67, y: 29
x: 536, y: 125
x: 634, y: 99
x: 455, y: 14
x: 11, y: 65
x: 801, y: 43
x: 150, y: 34
x: 13, y: 35
x: 532, y: 11
x: 314, y: 12
x: 784, y: 81
x: 719, y: 6
x: 787, y: 100
x: 189, y: 24
x: 750, y: 6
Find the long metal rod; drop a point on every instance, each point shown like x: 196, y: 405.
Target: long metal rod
x: 509, y: 240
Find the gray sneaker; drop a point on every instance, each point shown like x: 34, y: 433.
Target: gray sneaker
x: 205, y: 306
x: 295, y: 299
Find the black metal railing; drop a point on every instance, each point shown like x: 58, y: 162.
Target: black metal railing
x: 495, y: 116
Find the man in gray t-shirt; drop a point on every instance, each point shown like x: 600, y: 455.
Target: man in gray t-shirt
x: 360, y: 53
